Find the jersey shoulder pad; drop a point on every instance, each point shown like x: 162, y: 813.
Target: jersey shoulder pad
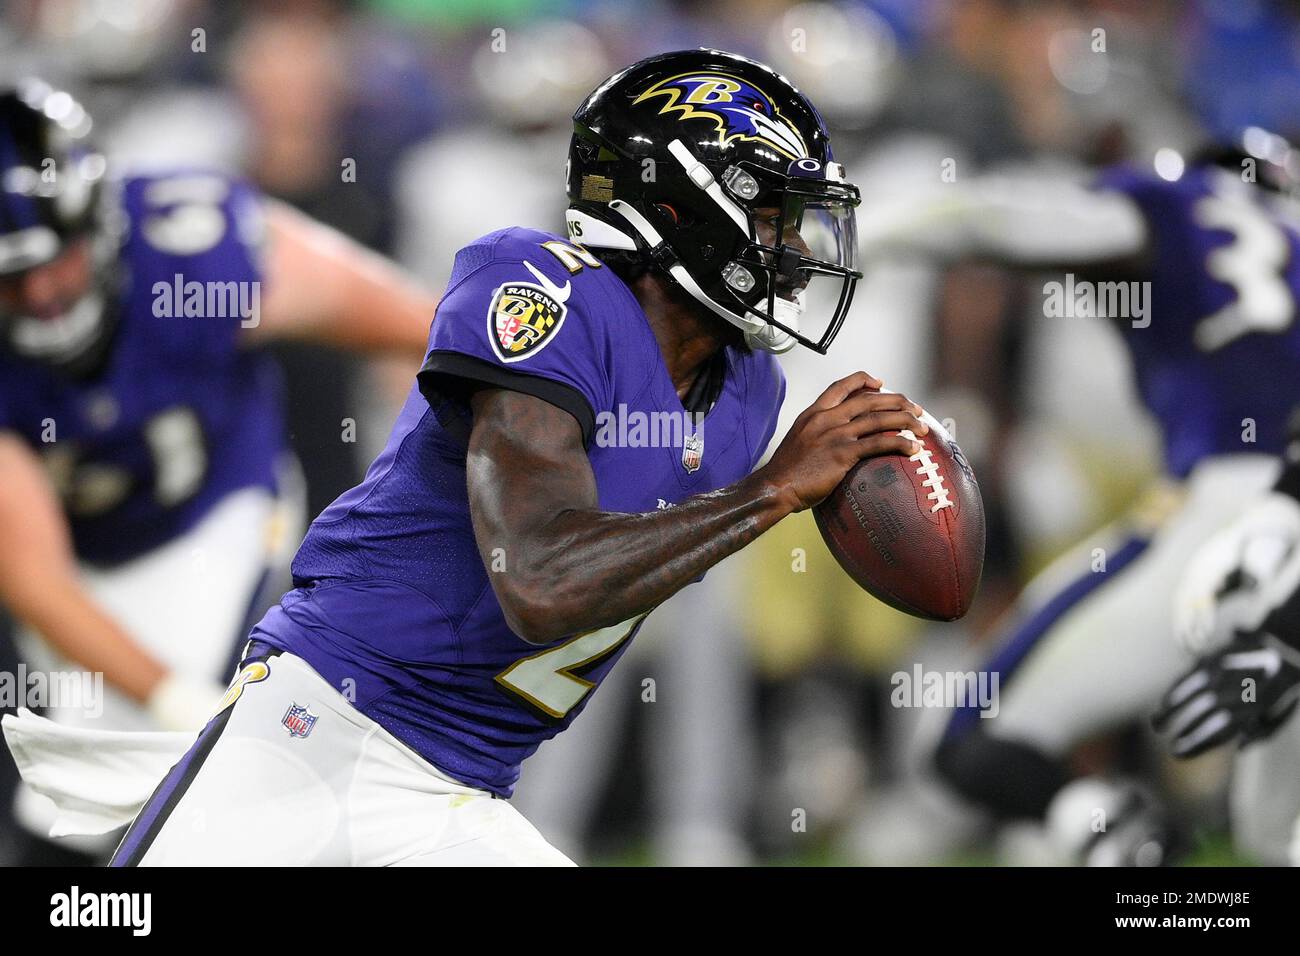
x: 542, y: 277
x: 522, y: 306
x: 1151, y: 190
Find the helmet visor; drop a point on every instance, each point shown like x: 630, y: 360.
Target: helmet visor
x: 806, y: 244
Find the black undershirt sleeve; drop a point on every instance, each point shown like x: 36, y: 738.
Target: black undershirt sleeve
x: 454, y: 376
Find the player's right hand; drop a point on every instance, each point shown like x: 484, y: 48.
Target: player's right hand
x: 181, y: 703
x: 850, y: 421
x: 1209, y: 705
x: 1239, y: 576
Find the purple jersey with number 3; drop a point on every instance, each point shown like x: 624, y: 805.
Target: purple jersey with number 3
x: 393, y: 603
x: 1219, y: 363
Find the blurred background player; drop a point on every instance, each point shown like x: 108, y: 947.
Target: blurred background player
x: 1203, y: 256
x: 1238, y: 610
x: 142, y: 446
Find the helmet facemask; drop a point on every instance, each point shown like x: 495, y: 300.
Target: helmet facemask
x: 800, y: 261
x: 764, y: 276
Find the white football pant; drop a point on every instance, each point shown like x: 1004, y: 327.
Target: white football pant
x: 291, y: 774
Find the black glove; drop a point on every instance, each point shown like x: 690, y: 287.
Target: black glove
x: 1243, y: 693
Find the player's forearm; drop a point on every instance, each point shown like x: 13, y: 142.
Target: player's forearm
x: 1014, y: 223
x: 39, y: 584
x: 85, y: 635
x: 589, y: 569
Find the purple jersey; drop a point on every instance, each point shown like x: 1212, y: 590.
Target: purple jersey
x: 178, y: 416
x: 1219, y: 364
x: 393, y: 603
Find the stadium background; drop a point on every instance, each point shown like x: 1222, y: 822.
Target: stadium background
x: 752, y: 721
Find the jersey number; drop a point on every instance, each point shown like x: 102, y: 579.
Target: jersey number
x: 546, y: 680
x: 572, y: 255
x: 185, y: 217
x: 177, y: 449
x: 1254, y: 264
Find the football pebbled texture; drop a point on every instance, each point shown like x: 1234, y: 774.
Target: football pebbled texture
x: 910, y: 531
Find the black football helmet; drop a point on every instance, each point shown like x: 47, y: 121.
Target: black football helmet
x: 1267, y: 158
x: 677, y: 160
x: 50, y: 185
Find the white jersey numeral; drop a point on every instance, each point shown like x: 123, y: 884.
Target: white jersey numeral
x: 572, y: 255
x: 185, y: 216
x: 1254, y: 264
x: 175, y: 439
x: 180, y: 464
x: 546, y: 680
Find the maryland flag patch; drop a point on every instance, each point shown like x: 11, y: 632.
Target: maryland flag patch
x: 522, y: 319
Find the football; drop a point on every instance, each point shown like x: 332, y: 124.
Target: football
x: 910, y: 531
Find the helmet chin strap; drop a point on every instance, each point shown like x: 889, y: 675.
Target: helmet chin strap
x: 758, y: 334
x: 788, y: 313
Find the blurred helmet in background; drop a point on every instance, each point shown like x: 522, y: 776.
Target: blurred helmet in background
x: 677, y: 160
x: 1259, y: 156
x: 50, y: 184
x: 846, y: 59
x: 530, y: 77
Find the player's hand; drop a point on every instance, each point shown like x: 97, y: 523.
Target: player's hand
x: 1244, y: 692
x: 848, y: 422
x: 181, y: 703
x: 1239, y: 576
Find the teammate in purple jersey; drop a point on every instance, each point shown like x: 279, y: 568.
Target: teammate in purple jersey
x: 1223, y: 340
x: 140, y: 434
x: 1198, y: 266
x: 580, y: 444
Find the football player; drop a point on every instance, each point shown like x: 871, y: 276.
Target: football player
x: 140, y: 432
x: 461, y: 605
x: 1210, y: 247
x: 1238, y: 609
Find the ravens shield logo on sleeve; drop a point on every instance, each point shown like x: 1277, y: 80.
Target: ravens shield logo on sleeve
x: 522, y: 319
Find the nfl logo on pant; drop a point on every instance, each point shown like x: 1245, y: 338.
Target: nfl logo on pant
x: 298, y: 720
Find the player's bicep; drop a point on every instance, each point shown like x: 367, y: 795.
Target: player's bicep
x: 322, y: 286
x: 526, y: 463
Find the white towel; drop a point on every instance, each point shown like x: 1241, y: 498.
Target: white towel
x: 98, y: 779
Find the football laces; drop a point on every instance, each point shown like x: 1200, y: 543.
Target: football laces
x: 927, y: 466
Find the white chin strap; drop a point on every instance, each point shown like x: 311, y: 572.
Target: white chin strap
x: 788, y: 313
x: 758, y: 333
x: 63, y: 338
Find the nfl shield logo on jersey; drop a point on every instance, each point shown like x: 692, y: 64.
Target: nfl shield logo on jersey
x: 298, y: 721
x: 692, y: 452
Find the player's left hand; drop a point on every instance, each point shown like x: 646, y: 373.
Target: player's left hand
x: 1243, y: 692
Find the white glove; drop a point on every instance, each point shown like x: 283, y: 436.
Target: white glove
x: 1238, y: 576
x: 183, y: 703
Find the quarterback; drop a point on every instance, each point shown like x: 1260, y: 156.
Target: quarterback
x: 141, y: 432
x: 461, y: 605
